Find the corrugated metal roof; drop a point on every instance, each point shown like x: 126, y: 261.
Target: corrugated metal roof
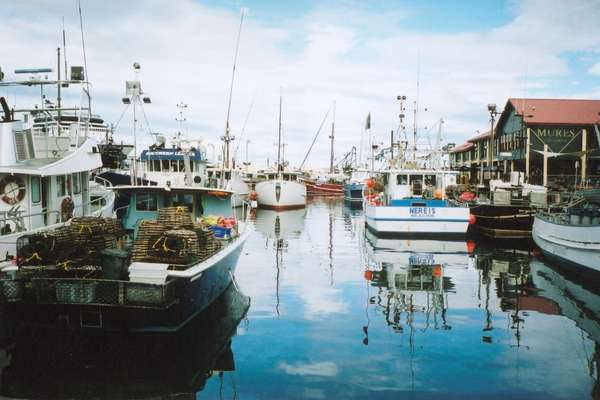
x: 481, y: 136
x: 557, y: 111
x: 463, y: 147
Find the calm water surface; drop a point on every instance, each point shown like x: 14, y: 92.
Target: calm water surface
x: 337, y: 313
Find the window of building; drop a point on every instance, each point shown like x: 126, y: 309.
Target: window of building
x: 146, y: 202
x: 35, y: 189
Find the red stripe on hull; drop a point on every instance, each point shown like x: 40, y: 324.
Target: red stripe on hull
x: 333, y: 189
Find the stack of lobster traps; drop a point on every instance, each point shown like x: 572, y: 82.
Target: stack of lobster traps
x: 174, y: 239
x: 77, y: 244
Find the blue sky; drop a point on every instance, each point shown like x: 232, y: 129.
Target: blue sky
x: 360, y: 54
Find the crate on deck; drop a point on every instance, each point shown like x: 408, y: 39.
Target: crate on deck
x: 175, y: 217
x: 176, y: 246
x: 46, y: 247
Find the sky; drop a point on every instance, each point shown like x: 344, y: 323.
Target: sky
x: 451, y: 57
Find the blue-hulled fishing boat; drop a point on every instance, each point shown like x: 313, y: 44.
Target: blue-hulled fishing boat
x: 172, y: 254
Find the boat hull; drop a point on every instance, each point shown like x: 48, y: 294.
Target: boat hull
x: 510, y: 222
x: 324, y: 189
x: 425, y: 222
x: 281, y: 195
x: 194, y: 294
x: 572, y: 244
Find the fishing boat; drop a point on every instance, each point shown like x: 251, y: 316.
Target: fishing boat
x: 571, y: 234
x: 45, y: 173
x: 323, y: 187
x: 230, y: 179
x: 179, y: 365
x: 183, y: 243
x: 507, y: 211
x: 281, y: 189
x: 353, y: 188
x: 414, y: 203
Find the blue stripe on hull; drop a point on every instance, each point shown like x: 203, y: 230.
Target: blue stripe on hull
x: 419, y: 219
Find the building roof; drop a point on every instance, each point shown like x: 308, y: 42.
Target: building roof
x: 557, y: 111
x: 463, y: 147
x: 480, y: 136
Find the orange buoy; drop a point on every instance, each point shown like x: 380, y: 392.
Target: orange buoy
x: 437, y: 271
x: 370, y: 183
x: 369, y: 275
x: 253, y: 196
x: 471, y: 246
x: 437, y: 194
x: 472, y: 219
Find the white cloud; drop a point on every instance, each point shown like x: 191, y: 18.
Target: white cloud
x: 326, y: 369
x: 361, y: 58
x: 595, y: 69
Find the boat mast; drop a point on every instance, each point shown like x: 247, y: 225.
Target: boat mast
x: 332, y: 139
x: 227, y: 138
x: 58, y: 84
x: 279, y: 139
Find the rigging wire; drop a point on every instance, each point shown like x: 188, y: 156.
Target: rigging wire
x: 315, y: 138
x: 237, y: 146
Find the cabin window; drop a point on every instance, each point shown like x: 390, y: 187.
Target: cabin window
x: 165, y: 165
x: 286, y: 177
x: 293, y: 177
x: 416, y: 178
x: 146, y: 202
x: 156, y: 166
x: 228, y: 175
x: 181, y: 165
x: 149, y: 166
x: 402, y: 179
x: 183, y: 200
x: 35, y: 189
x: 192, y: 166
x: 76, y: 185
x: 429, y: 180
x: 61, y: 185
x: 385, y: 179
x: 173, y: 165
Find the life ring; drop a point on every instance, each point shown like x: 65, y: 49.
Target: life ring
x: 66, y: 209
x: 12, y: 189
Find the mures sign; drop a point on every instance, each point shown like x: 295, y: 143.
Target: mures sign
x: 559, y: 139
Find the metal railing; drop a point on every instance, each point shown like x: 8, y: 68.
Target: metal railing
x: 22, y: 222
x: 103, y: 292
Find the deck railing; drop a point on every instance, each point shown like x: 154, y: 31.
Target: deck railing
x: 103, y: 292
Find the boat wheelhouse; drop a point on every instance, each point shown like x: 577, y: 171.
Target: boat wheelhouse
x: 173, y: 253
x: 229, y: 179
x: 353, y: 189
x: 414, y: 203
x: 174, y: 166
x: 45, y: 178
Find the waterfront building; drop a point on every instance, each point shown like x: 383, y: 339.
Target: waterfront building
x: 554, y: 142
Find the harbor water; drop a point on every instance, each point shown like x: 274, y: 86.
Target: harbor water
x: 323, y: 309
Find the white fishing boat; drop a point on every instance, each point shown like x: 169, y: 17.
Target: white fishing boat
x: 45, y: 173
x: 230, y: 179
x: 414, y: 203
x: 572, y: 234
x: 281, y: 190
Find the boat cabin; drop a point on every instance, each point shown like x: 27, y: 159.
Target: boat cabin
x: 145, y: 201
x: 173, y: 166
x: 423, y: 184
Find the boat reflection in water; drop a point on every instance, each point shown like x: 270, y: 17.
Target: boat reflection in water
x: 411, y: 281
x: 577, y: 297
x: 52, y: 364
x: 277, y: 227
